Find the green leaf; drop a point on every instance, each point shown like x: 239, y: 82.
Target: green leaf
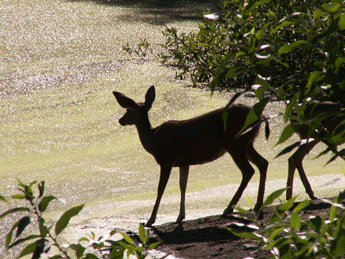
x: 23, y: 223
x: 337, y: 246
x: 10, y: 211
x: 316, y: 223
x: 250, y: 202
x: 315, y: 77
x: 283, y: 24
x: 142, y: 233
x: 251, y: 6
x: 262, y: 82
x: 276, y: 232
x: 271, y: 198
x: 245, y: 234
x: 65, y: 218
x: 127, y: 238
x: 241, y: 209
x: 289, y: 47
x: 342, y: 22
x: 253, y: 116
x: 29, y: 194
x: 154, y: 245
x: 29, y: 249
x: 340, y: 60
x: 20, y: 225
x: 41, y: 187
x: 225, y: 113
x: 79, y: 249
x: 318, y: 13
x: 232, y: 72
x: 295, y: 221
x: 22, y: 240
x: 117, y: 254
x: 302, y: 205
x: 2, y: 198
x: 18, y: 196
x: 341, y: 196
x: 260, y: 92
x: 290, y: 107
x: 332, y: 7
x: 288, y: 204
x: 83, y: 239
x: 288, y: 149
x: 286, y: 134
x: 43, y: 205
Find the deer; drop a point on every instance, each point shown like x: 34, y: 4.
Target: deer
x: 309, y: 139
x: 199, y: 140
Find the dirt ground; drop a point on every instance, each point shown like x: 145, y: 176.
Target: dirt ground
x: 208, y: 237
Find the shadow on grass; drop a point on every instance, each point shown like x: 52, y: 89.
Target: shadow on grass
x: 160, y: 12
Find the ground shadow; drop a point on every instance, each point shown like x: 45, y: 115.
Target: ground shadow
x: 206, y: 229
x: 209, y: 238
x: 160, y: 12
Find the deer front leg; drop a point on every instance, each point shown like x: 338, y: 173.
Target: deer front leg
x: 163, y: 180
x: 291, y: 173
x: 184, y: 171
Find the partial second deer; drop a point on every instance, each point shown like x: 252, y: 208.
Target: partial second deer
x: 311, y: 139
x: 182, y: 143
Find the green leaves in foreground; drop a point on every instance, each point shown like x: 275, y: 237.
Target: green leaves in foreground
x: 290, y: 234
x: 65, y: 218
x: 40, y: 244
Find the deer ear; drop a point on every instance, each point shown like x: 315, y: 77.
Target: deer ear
x: 150, y: 97
x: 124, y: 101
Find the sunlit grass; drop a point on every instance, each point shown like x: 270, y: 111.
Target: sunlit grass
x: 61, y: 60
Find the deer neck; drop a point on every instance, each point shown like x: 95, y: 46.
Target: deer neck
x: 145, y: 132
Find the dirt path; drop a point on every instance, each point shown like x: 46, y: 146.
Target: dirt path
x: 208, y: 237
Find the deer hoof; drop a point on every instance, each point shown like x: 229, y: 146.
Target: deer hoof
x: 227, y: 211
x: 180, y: 219
x: 149, y: 223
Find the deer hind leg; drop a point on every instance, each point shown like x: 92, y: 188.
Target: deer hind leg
x: 262, y: 165
x: 163, y: 180
x: 296, y: 161
x: 184, y: 171
x: 241, y: 160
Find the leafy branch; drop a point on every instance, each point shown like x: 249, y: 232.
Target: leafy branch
x: 291, y: 235
x: 41, y: 243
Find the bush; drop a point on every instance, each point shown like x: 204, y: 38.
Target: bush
x: 47, y: 235
x: 290, y: 51
x: 290, y: 235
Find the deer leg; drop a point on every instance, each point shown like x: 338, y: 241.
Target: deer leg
x: 247, y: 171
x: 163, y: 180
x: 184, y: 171
x: 296, y: 161
x: 291, y: 173
x: 262, y: 164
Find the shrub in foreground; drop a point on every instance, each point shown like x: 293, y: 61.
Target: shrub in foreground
x: 289, y: 234
x: 46, y: 235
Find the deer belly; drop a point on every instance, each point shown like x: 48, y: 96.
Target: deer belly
x: 195, y: 156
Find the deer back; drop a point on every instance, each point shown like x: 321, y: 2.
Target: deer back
x: 201, y: 139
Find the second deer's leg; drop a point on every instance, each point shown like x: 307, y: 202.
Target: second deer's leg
x: 163, y: 180
x: 247, y: 171
x: 184, y: 171
x: 296, y: 161
x: 262, y: 165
